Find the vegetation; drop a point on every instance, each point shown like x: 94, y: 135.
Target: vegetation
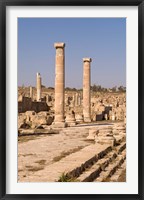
x: 51, y: 88
x: 122, y: 89
x: 93, y: 88
x: 70, y: 89
x: 66, y: 178
x: 99, y: 88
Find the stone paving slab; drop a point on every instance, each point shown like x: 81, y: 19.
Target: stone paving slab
x: 52, y: 172
x: 42, y: 158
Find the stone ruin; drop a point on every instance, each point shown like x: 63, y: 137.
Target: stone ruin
x: 81, y: 117
x: 108, y: 134
x: 69, y: 109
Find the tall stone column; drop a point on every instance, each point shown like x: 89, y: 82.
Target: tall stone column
x: 31, y: 92
x: 38, y: 87
x: 73, y: 100
x: 59, y: 85
x: 76, y: 99
x: 86, y: 89
x: 79, y: 99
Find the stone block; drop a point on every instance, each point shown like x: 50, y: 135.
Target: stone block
x: 92, y: 134
x: 58, y: 125
x: 105, y: 140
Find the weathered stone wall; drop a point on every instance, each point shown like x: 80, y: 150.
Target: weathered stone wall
x: 27, y: 104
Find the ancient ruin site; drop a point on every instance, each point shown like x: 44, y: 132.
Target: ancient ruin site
x: 71, y: 135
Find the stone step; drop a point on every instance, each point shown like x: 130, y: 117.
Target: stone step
x: 90, y: 174
x: 120, y: 147
x: 119, y: 138
x: 115, y: 177
x: 94, y: 171
x: 89, y: 162
x: 74, y: 164
x: 111, y: 168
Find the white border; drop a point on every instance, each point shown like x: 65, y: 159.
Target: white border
x: 131, y: 186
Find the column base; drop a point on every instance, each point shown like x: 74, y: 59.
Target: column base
x: 70, y: 123
x: 87, y: 119
x: 70, y: 120
x: 58, y: 125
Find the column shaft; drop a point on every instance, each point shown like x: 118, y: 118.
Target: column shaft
x: 76, y: 99
x: 31, y: 93
x: 59, y: 82
x: 38, y: 87
x: 86, y: 90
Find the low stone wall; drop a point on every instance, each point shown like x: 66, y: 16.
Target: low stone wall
x: 28, y: 104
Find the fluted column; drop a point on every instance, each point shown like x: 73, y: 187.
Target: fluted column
x: 86, y: 89
x: 38, y: 87
x: 59, y: 84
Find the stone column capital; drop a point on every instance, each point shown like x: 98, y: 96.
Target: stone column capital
x: 38, y: 74
x: 59, y: 45
x: 87, y: 60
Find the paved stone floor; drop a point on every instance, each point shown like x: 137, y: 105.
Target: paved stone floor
x: 42, y: 157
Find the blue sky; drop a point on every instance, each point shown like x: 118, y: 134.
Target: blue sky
x: 102, y: 39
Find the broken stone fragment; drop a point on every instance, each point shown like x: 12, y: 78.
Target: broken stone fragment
x: 92, y: 134
x: 105, y: 140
